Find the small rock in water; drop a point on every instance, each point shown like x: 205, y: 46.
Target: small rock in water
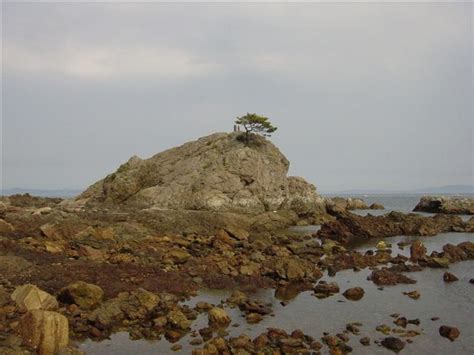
x: 449, y: 332
x: 393, y: 343
x: 365, y: 341
x: 354, y: 294
x: 218, y: 317
x: 253, y: 318
x: 412, y: 294
x: 434, y: 318
x: 448, y: 277
x: 176, y: 347
x: 471, y: 281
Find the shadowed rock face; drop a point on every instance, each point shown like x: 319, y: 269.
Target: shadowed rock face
x: 218, y: 173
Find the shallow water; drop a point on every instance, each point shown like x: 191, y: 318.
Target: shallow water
x: 452, y: 302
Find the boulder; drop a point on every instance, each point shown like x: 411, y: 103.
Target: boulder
x: 29, y: 297
x: 45, y: 331
x: 86, y: 296
x: 214, y: 173
x: 218, y: 317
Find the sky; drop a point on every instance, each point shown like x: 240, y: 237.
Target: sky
x: 365, y: 95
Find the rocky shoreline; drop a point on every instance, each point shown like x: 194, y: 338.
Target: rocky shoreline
x: 109, y: 271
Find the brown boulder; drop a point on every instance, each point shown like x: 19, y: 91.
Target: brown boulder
x: 45, y: 331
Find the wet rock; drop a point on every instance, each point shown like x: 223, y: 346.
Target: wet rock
x: 376, y: 206
x: 412, y: 294
x: 448, y: 277
x: 261, y: 341
x: 393, y: 343
x: 196, y: 341
x: 29, y: 297
x: 438, y: 262
x: 178, y: 320
x: 46, y: 331
x: 203, y: 306
x: 254, y: 318
x: 289, y: 291
x: 383, y: 328
x: 417, y: 250
x: 173, y: 335
x: 85, y: 295
x: 176, y: 347
x: 351, y: 327
x: 354, y: 294
x: 401, y: 322
x: 365, y: 341
x: 134, y: 305
x: 206, y: 333
x: 382, y: 245
x: 350, y: 227
x: 471, y: 281
x: 324, y: 289
x: 385, y: 277
x: 218, y: 317
x: 452, y: 333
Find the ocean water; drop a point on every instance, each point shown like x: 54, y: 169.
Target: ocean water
x: 453, y: 303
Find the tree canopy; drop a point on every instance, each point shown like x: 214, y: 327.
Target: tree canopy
x: 254, y: 123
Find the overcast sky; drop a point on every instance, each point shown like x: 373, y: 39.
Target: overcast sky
x: 365, y: 95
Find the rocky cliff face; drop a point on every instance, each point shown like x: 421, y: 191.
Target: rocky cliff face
x: 217, y: 173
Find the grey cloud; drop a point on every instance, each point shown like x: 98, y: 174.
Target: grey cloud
x: 365, y: 95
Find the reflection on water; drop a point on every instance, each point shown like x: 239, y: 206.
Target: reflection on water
x: 452, y: 302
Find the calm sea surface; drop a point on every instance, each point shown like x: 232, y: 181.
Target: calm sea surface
x: 453, y: 303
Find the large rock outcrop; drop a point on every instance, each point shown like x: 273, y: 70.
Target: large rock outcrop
x: 448, y: 205
x: 214, y: 173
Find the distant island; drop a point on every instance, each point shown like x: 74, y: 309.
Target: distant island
x: 447, y: 189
